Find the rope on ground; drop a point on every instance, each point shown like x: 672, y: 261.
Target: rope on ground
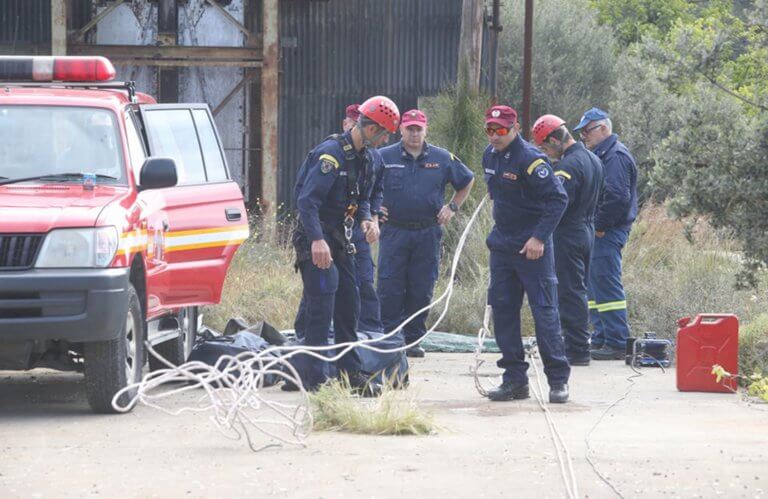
x: 233, y: 388
x: 561, y: 449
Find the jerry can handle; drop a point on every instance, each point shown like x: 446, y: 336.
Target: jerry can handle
x: 711, y: 318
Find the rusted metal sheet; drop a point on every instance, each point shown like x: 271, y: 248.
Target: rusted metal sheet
x: 333, y: 55
x: 270, y: 105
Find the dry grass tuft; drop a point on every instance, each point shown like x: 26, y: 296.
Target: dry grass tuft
x: 395, y: 412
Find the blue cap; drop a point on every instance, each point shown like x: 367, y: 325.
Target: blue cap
x: 593, y: 114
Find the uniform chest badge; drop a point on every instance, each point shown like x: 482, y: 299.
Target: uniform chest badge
x: 509, y: 176
x: 431, y: 165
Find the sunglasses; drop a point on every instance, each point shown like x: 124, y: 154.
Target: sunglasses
x: 587, y: 131
x: 501, y: 132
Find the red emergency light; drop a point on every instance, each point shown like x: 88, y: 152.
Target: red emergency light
x: 57, y: 68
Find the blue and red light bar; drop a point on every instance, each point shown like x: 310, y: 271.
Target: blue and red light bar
x: 56, y: 68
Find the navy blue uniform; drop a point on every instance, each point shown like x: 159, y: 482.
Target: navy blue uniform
x: 370, y: 308
x: 321, y: 196
x: 617, y: 210
x: 409, y: 250
x: 581, y: 173
x: 528, y: 200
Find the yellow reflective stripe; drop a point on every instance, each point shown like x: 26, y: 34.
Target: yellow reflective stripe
x: 592, y: 304
x: 612, y: 305
x: 563, y: 173
x: 533, y: 165
x: 331, y: 159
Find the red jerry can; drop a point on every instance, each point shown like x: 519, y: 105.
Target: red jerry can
x: 711, y: 339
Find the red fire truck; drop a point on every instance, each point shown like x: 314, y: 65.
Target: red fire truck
x: 118, y: 220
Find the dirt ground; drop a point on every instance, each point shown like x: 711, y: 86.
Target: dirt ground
x: 655, y: 443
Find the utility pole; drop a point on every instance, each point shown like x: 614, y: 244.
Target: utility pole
x: 471, y: 42
x: 495, y: 30
x: 527, y: 64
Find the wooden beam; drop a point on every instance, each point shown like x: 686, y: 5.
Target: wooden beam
x: 244, y: 81
x: 79, y: 35
x: 169, y: 56
x: 270, y: 85
x: 237, y: 24
x: 58, y: 27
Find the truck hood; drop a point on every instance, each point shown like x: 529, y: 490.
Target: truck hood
x: 40, y: 208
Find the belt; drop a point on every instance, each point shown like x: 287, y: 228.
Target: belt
x: 423, y: 224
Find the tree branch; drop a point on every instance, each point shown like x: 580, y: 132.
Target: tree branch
x: 731, y: 92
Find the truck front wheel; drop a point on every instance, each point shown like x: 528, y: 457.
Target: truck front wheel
x: 112, y: 365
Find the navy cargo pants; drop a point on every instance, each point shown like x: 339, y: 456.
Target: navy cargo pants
x: 573, y: 251
x: 409, y: 261
x: 370, y: 309
x: 511, y: 276
x: 607, y: 302
x: 329, y: 295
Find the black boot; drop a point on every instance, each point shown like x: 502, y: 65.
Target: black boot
x: 362, y: 385
x: 558, y: 394
x: 509, y: 391
x: 609, y: 353
x: 578, y: 359
x: 415, y: 351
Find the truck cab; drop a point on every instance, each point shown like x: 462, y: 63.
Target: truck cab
x: 118, y: 220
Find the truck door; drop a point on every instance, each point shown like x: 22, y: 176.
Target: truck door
x: 204, y: 215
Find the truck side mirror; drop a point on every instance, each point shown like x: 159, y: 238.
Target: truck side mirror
x: 157, y: 173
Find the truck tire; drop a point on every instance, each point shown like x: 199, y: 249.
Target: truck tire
x: 112, y: 365
x: 177, y: 350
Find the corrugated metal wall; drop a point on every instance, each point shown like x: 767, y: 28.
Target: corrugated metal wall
x: 25, y: 25
x: 339, y: 51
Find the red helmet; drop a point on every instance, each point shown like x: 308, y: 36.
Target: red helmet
x: 382, y: 111
x: 544, y: 126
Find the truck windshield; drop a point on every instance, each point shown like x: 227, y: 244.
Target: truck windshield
x: 42, y: 141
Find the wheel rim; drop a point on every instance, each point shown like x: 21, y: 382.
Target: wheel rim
x: 130, y: 347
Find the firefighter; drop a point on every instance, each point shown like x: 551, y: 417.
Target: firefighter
x: 414, y: 180
x: 616, y: 211
x: 528, y: 202
x: 370, y: 310
x: 581, y: 173
x: 332, y: 194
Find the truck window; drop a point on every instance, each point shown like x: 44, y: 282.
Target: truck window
x: 174, y: 135
x: 214, y: 161
x: 135, y: 147
x: 53, y: 140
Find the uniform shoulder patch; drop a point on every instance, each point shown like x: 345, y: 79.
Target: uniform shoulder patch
x: 563, y: 174
x: 328, y: 163
x: 455, y: 158
x: 536, y: 163
x: 542, y: 173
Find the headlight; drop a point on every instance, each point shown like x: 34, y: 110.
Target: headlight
x: 67, y: 248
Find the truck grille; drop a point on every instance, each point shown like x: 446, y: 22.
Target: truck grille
x: 18, y: 251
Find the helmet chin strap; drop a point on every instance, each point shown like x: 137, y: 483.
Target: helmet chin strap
x: 370, y: 142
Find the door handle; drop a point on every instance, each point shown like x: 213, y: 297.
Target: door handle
x: 233, y: 214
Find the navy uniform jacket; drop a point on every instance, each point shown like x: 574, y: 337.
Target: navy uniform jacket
x: 528, y: 200
x: 320, y: 193
x: 581, y: 173
x: 414, y: 188
x: 617, y: 208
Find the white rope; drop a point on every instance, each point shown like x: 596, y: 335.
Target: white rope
x: 561, y: 449
x: 233, y: 387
